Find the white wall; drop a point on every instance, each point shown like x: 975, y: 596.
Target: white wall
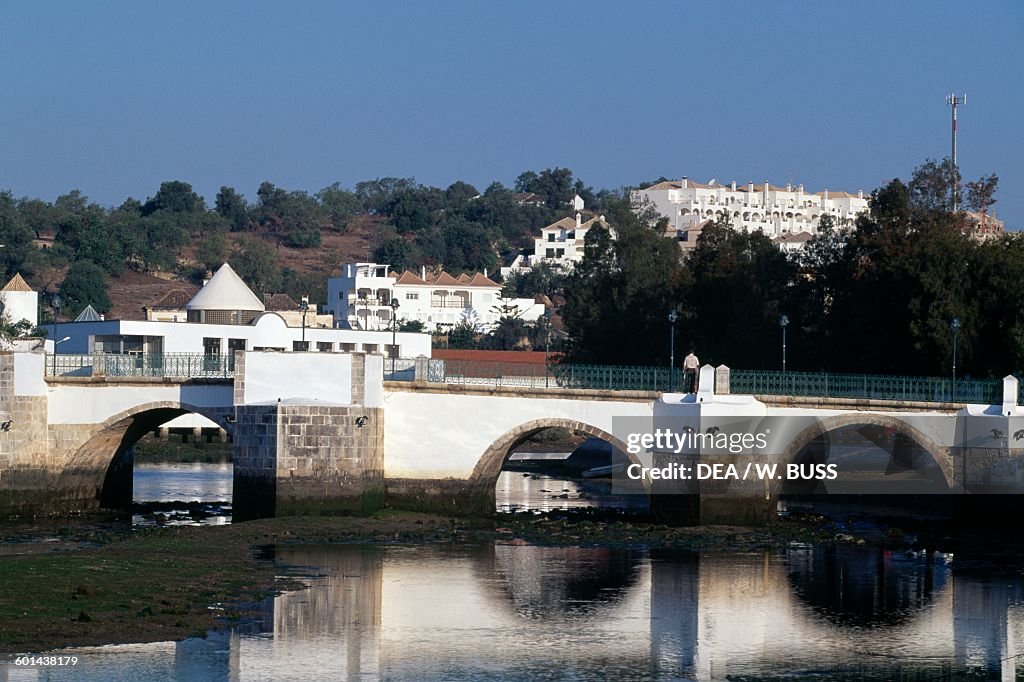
x: 269, y: 331
x: 440, y: 435
x: 271, y: 377
x: 21, y: 305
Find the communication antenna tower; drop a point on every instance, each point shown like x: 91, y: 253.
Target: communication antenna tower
x: 954, y: 101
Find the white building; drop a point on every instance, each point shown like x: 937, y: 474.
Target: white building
x: 20, y: 303
x: 561, y: 243
x: 776, y: 211
x: 361, y: 298
x: 225, y: 316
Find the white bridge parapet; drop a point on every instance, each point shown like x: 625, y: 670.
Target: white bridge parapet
x: 416, y: 442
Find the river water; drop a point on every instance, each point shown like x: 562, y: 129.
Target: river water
x: 501, y: 611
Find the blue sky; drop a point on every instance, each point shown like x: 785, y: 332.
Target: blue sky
x: 117, y: 97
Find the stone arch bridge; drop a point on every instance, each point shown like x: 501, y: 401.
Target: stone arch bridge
x: 324, y: 432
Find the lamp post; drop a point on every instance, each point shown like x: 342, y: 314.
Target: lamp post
x: 547, y: 344
x: 394, y: 334
x: 304, y: 306
x: 55, y: 344
x: 672, y: 317
x: 954, y: 325
x: 783, y: 322
x: 55, y: 302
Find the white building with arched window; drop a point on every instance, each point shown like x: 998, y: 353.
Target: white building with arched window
x: 775, y: 211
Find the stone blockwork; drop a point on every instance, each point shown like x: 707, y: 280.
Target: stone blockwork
x: 308, y: 458
x: 26, y: 473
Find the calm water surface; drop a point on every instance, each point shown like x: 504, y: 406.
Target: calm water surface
x: 510, y: 612
x: 506, y: 612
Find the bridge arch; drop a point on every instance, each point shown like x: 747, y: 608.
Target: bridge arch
x: 488, y: 467
x: 939, y: 455
x: 95, y: 456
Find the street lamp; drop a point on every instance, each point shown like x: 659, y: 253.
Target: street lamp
x: 304, y: 306
x: 394, y: 334
x: 783, y: 322
x: 548, y: 314
x: 954, y: 325
x: 672, y: 317
x: 55, y: 302
x: 55, y: 344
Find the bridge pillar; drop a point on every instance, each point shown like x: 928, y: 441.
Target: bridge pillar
x: 26, y: 474
x: 298, y: 455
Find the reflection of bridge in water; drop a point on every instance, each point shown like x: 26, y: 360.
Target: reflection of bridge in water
x: 525, y: 612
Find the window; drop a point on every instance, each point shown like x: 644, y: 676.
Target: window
x: 411, y: 295
x: 391, y: 351
x: 300, y: 345
x: 211, y: 346
x: 348, y: 347
x: 369, y: 348
x: 324, y: 347
x: 559, y: 253
x: 550, y: 253
x: 551, y: 236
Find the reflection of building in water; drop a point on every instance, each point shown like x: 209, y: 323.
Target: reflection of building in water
x: 466, y: 612
x: 675, y: 585
x: 336, y: 623
x: 987, y: 634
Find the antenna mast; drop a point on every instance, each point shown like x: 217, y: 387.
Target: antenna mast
x: 953, y: 101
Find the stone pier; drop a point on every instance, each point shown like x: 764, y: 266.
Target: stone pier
x: 298, y: 455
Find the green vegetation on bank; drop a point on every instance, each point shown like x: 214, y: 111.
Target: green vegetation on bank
x: 152, y: 450
x: 164, y: 584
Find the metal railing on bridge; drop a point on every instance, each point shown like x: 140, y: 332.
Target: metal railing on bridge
x: 170, y: 365
x: 660, y: 379
x: 869, y: 386
x: 532, y: 375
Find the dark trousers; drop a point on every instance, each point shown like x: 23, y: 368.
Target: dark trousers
x: 689, y: 381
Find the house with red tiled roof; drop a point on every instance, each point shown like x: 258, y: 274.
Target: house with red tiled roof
x: 561, y: 242
x: 775, y: 210
x: 370, y: 296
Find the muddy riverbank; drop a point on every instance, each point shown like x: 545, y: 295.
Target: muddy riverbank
x: 83, y: 583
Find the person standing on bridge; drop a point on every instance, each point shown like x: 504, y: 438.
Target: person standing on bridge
x: 690, y: 366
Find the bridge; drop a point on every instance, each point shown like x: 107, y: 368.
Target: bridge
x: 319, y: 432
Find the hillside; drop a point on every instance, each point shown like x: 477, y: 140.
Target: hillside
x: 132, y: 290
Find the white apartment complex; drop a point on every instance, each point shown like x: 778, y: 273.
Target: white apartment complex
x: 775, y: 211
x: 362, y: 298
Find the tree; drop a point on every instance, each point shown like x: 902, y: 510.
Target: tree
x: 18, y: 253
x: 396, y: 253
x: 981, y: 193
x: 175, y: 197
x: 212, y: 251
x: 254, y: 263
x: 510, y: 333
x: 377, y: 195
x: 232, y: 207
x: 85, y: 284
x: 340, y: 204
x: 623, y: 288
x: 463, y: 335
x: 414, y: 326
